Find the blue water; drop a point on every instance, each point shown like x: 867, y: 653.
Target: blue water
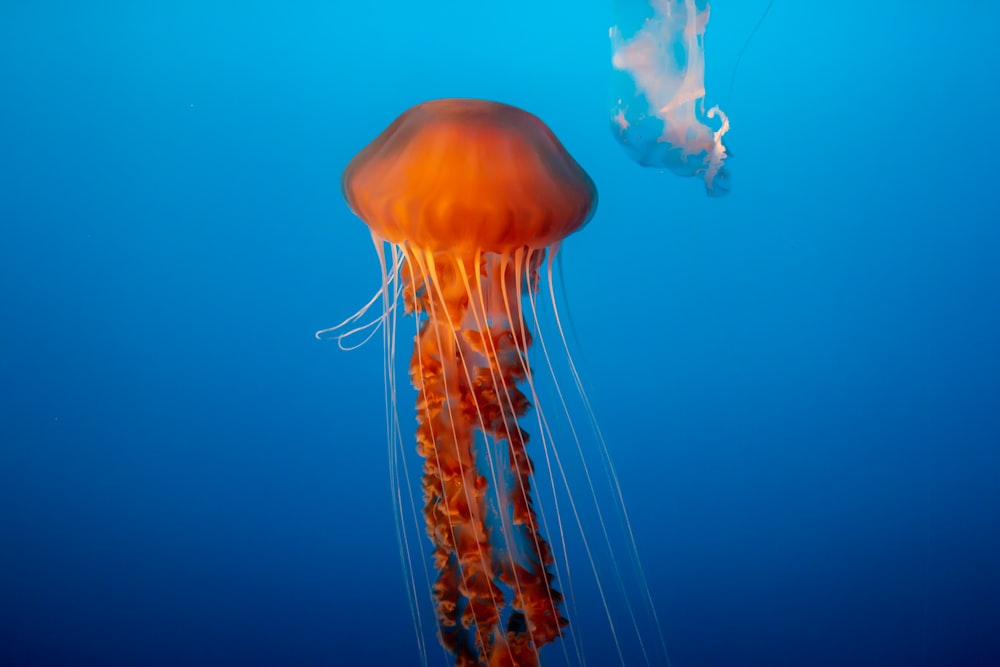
x: 799, y: 382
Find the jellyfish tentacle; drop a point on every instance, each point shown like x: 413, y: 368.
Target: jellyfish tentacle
x: 448, y: 284
x: 535, y: 260
x: 536, y: 602
x: 398, y: 474
x: 446, y: 587
x: 387, y: 294
x: 455, y: 495
x: 499, y: 354
x: 489, y: 382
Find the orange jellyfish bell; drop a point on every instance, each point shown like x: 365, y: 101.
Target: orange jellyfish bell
x: 465, y: 176
x: 470, y: 195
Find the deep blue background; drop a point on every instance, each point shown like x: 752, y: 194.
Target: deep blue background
x: 800, y: 383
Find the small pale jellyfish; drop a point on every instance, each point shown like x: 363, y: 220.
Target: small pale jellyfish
x: 658, y: 88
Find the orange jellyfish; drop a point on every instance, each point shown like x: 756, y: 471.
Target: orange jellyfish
x: 471, y: 196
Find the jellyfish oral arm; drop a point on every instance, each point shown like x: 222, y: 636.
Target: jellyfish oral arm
x: 466, y: 364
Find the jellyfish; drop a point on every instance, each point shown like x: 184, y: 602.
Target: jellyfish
x: 467, y: 202
x: 658, y: 90
x: 471, y: 196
